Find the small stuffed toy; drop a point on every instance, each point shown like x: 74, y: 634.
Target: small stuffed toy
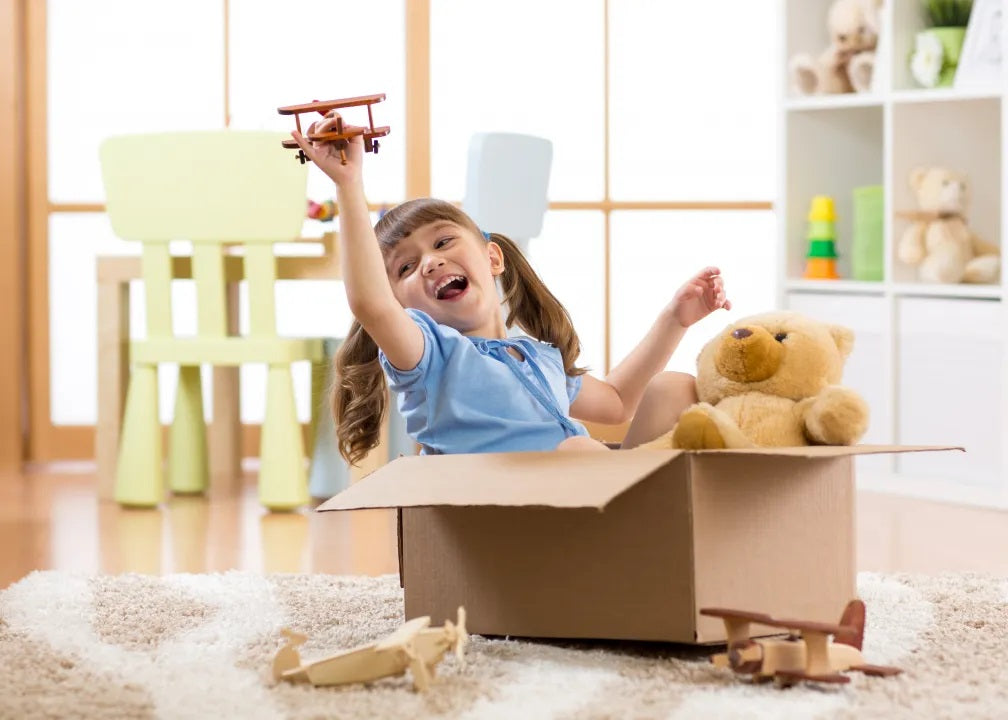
x: 848, y: 63
x: 771, y: 380
x: 940, y: 242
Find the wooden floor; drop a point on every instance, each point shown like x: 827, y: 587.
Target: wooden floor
x: 50, y: 519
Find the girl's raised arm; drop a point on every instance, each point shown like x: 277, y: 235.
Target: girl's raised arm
x: 615, y: 399
x: 364, y: 276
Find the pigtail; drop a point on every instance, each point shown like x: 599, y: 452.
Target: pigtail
x: 534, y: 307
x: 359, y: 395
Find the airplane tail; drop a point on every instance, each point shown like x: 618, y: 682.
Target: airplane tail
x: 854, y: 619
x: 287, y: 657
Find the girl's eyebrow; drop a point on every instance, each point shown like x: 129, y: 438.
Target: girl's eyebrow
x: 392, y: 258
x: 403, y: 247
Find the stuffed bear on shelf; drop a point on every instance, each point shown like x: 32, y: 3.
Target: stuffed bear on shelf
x: 771, y: 380
x: 848, y: 63
x: 940, y: 242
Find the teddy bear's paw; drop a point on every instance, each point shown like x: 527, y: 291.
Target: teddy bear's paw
x: 804, y: 77
x: 983, y: 269
x: 696, y: 430
x: 837, y: 416
x: 860, y: 71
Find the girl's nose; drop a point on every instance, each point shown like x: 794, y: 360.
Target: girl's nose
x: 431, y: 263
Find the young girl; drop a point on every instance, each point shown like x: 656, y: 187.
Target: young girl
x: 422, y: 285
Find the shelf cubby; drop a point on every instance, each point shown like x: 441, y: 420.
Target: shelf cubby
x: 830, y: 152
x: 947, y: 134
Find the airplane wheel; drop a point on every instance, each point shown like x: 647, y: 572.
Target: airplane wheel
x: 782, y: 683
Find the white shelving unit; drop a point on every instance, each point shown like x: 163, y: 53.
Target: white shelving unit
x: 931, y: 360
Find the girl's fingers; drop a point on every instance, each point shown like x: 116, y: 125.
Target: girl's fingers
x: 308, y: 148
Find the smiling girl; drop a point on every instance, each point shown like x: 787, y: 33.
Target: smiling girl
x: 423, y: 288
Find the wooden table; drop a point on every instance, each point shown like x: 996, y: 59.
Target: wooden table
x: 114, y: 274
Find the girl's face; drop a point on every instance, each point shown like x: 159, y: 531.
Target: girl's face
x: 448, y: 272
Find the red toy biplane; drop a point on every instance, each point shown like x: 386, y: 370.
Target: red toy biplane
x: 328, y: 108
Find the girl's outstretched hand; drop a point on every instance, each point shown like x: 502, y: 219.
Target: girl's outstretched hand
x: 699, y: 297
x: 327, y: 155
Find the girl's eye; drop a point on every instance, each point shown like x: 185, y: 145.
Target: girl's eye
x: 441, y: 242
x: 404, y: 269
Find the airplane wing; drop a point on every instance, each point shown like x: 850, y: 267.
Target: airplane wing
x: 404, y: 634
x: 737, y: 623
x: 323, y: 106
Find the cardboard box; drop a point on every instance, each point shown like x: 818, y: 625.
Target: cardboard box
x: 628, y: 544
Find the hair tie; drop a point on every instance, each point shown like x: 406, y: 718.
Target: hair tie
x: 486, y: 234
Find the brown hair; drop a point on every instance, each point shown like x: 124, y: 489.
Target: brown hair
x: 360, y: 393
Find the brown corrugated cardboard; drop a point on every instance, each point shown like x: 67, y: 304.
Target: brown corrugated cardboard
x: 622, y: 545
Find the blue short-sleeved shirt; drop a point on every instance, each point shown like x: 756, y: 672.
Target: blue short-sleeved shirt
x: 469, y: 395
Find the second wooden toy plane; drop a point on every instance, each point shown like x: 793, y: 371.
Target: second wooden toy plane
x: 805, y: 654
x: 414, y: 647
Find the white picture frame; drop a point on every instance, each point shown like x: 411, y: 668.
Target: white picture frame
x: 980, y: 59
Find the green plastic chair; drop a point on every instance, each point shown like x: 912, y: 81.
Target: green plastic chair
x: 215, y: 189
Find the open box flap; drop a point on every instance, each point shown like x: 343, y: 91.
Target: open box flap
x: 551, y: 479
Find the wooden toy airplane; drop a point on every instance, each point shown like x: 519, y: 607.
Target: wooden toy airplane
x: 413, y: 646
x: 806, y: 654
x: 327, y: 108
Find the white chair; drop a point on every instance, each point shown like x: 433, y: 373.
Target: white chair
x: 507, y: 184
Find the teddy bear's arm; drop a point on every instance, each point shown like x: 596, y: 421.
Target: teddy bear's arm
x: 911, y: 245
x: 836, y: 416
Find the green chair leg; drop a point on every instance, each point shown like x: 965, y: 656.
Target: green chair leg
x: 188, y: 462
x: 139, y: 477
x: 283, y: 480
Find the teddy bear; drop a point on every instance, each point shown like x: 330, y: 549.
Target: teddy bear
x: 940, y: 242
x: 848, y: 63
x: 771, y: 380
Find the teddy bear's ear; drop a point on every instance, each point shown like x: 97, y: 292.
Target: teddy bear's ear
x: 844, y: 339
x: 917, y: 177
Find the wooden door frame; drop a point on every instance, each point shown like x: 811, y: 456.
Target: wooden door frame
x: 13, y: 241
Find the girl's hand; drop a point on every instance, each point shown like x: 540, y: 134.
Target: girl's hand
x: 699, y: 297
x: 327, y: 155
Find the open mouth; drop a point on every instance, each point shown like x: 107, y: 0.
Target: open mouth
x: 451, y: 287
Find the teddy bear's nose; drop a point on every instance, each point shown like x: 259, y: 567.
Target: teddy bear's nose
x: 740, y: 333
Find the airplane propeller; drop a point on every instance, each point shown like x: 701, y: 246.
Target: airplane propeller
x: 458, y: 637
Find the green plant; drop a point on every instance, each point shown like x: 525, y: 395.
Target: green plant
x: 948, y: 13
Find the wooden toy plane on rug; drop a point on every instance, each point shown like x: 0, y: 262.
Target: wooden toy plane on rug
x: 340, y: 134
x: 414, y: 647
x: 805, y: 654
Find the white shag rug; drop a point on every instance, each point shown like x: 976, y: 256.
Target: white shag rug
x: 200, y: 646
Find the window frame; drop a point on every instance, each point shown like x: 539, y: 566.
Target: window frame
x: 49, y: 442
